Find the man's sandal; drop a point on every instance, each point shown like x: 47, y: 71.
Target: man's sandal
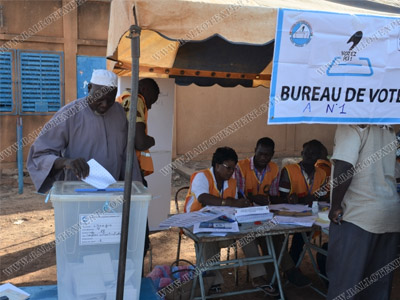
x: 268, y: 289
x: 215, y: 289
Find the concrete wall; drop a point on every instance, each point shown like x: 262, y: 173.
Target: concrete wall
x: 201, y: 112
x: 82, y: 31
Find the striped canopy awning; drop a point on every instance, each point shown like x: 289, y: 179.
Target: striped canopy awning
x: 206, y: 42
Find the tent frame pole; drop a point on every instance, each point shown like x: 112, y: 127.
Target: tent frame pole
x: 134, y: 35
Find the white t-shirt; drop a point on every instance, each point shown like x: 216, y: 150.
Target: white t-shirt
x: 200, y: 186
x: 371, y: 201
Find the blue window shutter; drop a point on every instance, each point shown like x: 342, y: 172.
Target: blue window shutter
x: 6, y: 84
x: 40, y: 82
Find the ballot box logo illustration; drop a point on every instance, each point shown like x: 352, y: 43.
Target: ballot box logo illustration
x: 301, y: 33
x: 349, y: 63
x: 88, y: 231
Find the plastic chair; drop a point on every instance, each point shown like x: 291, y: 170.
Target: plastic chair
x: 177, y: 199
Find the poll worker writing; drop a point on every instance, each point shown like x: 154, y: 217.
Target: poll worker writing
x: 215, y: 186
x: 258, y: 180
x: 299, y: 184
x: 257, y: 177
x: 90, y: 127
x: 365, y: 210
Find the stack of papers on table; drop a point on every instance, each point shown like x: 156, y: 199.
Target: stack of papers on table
x: 216, y: 227
x: 301, y: 221
x: 286, y: 209
x: 254, y: 218
x: 253, y: 214
x: 191, y: 218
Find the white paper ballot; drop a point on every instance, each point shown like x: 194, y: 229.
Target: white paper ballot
x: 98, y: 177
x: 101, y: 262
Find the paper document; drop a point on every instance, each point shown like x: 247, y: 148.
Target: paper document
x: 12, y: 292
x: 105, y: 229
x: 98, y: 177
x: 225, y: 210
x: 253, y: 210
x: 189, y: 219
x: 290, y: 207
x: 254, y: 218
x: 302, y: 221
x: 216, y: 227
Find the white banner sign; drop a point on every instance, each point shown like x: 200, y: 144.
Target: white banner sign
x: 335, y: 68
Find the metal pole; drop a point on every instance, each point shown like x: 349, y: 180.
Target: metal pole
x: 134, y: 35
x: 20, y: 157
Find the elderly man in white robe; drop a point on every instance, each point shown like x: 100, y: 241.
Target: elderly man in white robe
x: 90, y: 127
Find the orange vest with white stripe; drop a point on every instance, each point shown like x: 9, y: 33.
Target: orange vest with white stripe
x: 144, y: 157
x: 252, y: 185
x: 297, y: 182
x: 230, y: 191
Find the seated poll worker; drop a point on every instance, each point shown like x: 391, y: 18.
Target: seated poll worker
x: 257, y: 177
x: 215, y: 186
x: 258, y: 180
x: 90, y: 127
x: 299, y: 184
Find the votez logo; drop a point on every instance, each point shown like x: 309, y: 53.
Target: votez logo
x: 301, y: 33
x: 349, y: 63
x: 353, y: 41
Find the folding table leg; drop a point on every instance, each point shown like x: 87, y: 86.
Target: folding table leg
x: 199, y: 248
x: 270, y: 246
x: 283, y: 249
x: 307, y: 248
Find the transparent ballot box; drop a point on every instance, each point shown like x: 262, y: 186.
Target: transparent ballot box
x: 88, y: 231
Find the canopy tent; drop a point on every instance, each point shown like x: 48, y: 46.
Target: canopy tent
x: 227, y: 42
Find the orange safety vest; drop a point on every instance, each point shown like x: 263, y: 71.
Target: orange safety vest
x: 252, y: 185
x: 297, y: 182
x: 325, y: 165
x: 144, y: 157
x: 212, y: 189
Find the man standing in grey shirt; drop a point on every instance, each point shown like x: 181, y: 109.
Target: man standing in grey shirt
x: 90, y: 127
x: 365, y: 210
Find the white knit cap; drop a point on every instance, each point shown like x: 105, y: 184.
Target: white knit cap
x: 104, y: 77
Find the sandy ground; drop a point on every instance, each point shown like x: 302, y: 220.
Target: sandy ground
x: 27, y: 224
